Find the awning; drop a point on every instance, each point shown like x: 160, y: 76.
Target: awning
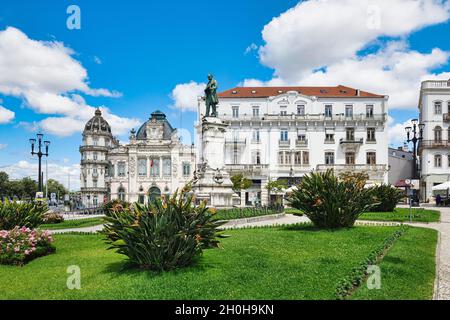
x: 441, y: 187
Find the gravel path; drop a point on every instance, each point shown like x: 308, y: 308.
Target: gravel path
x: 442, y: 284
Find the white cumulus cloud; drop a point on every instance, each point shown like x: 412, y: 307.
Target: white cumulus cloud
x: 320, y: 42
x: 49, y: 80
x: 185, y: 95
x: 6, y: 115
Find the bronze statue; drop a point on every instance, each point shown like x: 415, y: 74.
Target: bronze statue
x: 211, y: 99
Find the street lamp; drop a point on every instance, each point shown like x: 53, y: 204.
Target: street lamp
x: 414, y: 135
x: 39, y: 153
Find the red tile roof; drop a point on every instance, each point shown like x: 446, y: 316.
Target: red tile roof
x: 323, y: 92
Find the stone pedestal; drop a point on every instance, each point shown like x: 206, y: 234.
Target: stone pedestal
x: 211, y: 182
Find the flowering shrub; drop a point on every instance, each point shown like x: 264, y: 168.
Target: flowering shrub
x: 166, y: 234
x: 21, y: 245
x: 53, y: 218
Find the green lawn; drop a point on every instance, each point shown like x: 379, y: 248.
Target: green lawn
x: 408, y: 271
x: 402, y: 215
x: 69, y: 224
x: 267, y: 263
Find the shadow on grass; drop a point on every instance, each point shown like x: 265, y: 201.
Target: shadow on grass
x: 310, y: 228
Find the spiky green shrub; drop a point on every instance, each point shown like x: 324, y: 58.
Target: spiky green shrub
x: 331, y: 202
x: 163, y: 235
x: 13, y: 214
x: 387, y: 196
x: 115, y: 205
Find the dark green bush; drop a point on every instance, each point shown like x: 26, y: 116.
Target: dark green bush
x: 163, y: 235
x: 332, y: 202
x: 13, y: 214
x: 387, y: 196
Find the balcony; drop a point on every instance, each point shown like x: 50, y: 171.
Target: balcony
x: 376, y: 172
x: 345, y: 141
x: 434, y: 144
x: 301, y: 142
x: 94, y: 148
x: 94, y: 190
x: 91, y: 161
x: 248, y: 169
x: 284, y: 143
x: 305, y: 118
x: 236, y: 141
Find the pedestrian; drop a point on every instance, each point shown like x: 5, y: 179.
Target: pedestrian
x: 438, y: 200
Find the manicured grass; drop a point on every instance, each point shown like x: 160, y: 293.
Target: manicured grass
x: 69, y: 224
x: 269, y: 263
x: 402, y: 215
x: 293, y: 211
x: 408, y: 270
x: 240, y: 213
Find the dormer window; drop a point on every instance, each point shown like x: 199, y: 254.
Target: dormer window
x: 234, y: 92
x: 253, y: 91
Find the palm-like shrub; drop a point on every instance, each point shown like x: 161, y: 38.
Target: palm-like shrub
x: 115, y: 205
x: 387, y: 196
x: 332, y: 202
x: 13, y: 214
x: 165, y: 234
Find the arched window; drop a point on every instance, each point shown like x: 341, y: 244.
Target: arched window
x: 121, y: 193
x: 438, y: 107
x: 437, y: 160
x: 153, y: 194
x: 437, y: 134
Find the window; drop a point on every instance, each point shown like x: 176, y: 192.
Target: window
x: 448, y: 107
x: 283, y: 111
x: 256, y: 157
x: 298, y: 158
x: 371, y: 158
x: 438, y: 107
x: 448, y: 134
x: 142, y: 167
x: 328, y: 110
x: 235, y: 112
x: 370, y: 134
x: 306, y: 157
x: 301, y: 137
x: 329, y: 137
x: 349, y: 158
x: 284, y: 135
x: 95, y: 141
x: 121, y: 169
x: 287, y: 158
x: 154, y: 167
x: 369, y: 111
x: 349, y: 111
x: 186, y: 169
x: 121, y: 193
x: 95, y: 200
x: 111, y: 170
x: 280, y: 157
x: 301, y: 110
x: 350, y: 134
x: 95, y: 155
x: 437, y: 134
x: 256, y: 112
x: 329, y: 158
x: 141, y: 199
x: 256, y: 136
x: 437, y: 160
x: 167, y: 167
x: 235, y: 154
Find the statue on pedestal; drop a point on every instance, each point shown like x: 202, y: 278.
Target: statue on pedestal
x: 211, y: 99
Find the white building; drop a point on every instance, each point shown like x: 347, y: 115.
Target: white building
x: 434, y: 151
x: 286, y: 132
x: 154, y: 162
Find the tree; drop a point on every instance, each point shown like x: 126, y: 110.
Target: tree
x: 240, y: 182
x: 55, y: 187
x: 276, y: 186
x: 29, y: 187
x: 4, y: 180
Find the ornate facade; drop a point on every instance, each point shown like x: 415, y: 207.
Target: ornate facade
x: 154, y: 162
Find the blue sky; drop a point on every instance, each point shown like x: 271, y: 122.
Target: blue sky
x: 144, y: 49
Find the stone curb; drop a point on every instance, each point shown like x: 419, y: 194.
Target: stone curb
x: 438, y: 268
x: 238, y: 222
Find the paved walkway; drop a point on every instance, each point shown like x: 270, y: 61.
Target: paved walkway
x: 442, y: 284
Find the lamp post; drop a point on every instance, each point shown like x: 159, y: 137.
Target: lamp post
x: 39, y: 153
x: 414, y: 135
